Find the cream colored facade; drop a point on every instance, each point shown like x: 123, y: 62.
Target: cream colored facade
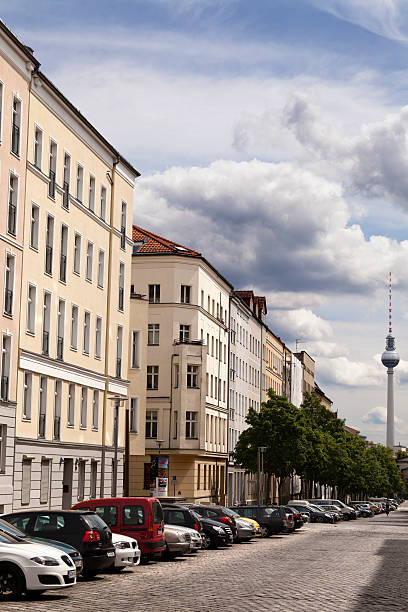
x: 75, y: 308
x: 16, y: 64
x: 187, y: 414
x: 274, y: 363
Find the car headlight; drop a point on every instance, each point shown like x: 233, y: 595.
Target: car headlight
x: 45, y: 561
x: 121, y: 545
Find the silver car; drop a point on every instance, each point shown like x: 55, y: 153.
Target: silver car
x: 245, y: 531
x: 178, y: 541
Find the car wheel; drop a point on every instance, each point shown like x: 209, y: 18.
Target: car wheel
x: 265, y: 531
x: 12, y: 579
x: 206, y: 542
x: 89, y: 573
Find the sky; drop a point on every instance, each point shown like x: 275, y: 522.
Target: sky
x: 272, y: 136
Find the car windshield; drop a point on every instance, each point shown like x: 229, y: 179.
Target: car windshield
x: 11, y: 530
x: 233, y: 513
x: 316, y: 508
x: 6, y: 538
x: 227, y: 511
x: 195, y: 515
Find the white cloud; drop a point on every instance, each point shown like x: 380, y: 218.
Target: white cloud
x: 375, y: 416
x: 301, y: 323
x: 343, y: 371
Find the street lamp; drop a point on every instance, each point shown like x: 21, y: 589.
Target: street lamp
x: 261, y: 450
x: 118, y: 401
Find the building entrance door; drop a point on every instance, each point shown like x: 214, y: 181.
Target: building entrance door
x: 67, y: 484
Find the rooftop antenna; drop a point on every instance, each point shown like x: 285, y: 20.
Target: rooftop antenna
x: 297, y: 343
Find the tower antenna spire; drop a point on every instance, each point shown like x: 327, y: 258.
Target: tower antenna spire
x: 390, y: 308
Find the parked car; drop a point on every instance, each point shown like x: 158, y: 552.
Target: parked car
x: 220, y: 514
x: 315, y: 513
x: 297, y: 518
x: 177, y: 514
x: 84, y: 530
x: 363, y: 509
x: 334, y: 511
x: 127, y: 552
x: 253, y: 522
x: 178, y: 541
x: 272, y: 519
x: 75, y: 555
x: 214, y: 534
x: 348, y: 512
x: 138, y: 517
x: 31, y: 567
x: 245, y: 530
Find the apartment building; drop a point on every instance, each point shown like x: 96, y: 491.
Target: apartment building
x: 187, y: 370
x: 72, y: 375
x: 273, y: 356
x: 244, y: 387
x: 16, y: 65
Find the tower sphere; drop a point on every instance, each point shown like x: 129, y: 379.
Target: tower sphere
x: 390, y: 357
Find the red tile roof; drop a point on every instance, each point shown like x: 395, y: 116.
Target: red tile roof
x: 152, y: 243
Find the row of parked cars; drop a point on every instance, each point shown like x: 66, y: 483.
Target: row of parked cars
x: 49, y: 549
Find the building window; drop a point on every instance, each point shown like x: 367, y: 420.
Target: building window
x: 136, y: 351
x: 175, y: 425
x: 38, y: 143
x: 154, y: 294
x: 49, y: 244
x: 192, y: 376
x: 123, y: 226
x: 191, y: 425
x: 34, y: 226
x: 9, y: 285
x: 202, y: 298
x: 66, y: 180
x: 103, y: 203
x: 95, y: 409
x: 77, y: 254
x: 84, y: 408
x: 153, y: 334
x: 27, y: 395
x: 46, y: 323
x: 5, y: 368
x: 87, y: 329
x: 16, y: 126
x: 98, y: 337
x: 151, y: 424
x: 79, y: 183
x: 101, y: 268
x: 52, y: 169
x: 119, y: 342
x: 42, y: 406
x: 176, y: 375
x: 63, y: 254
x: 89, y: 261
x: 94, y: 476
x: 26, y: 482
x: 60, y: 329
x: 91, y: 200
x: 184, y: 333
x: 12, y: 204
x: 74, y: 327
x: 1, y: 110
x: 121, y: 286
x: 152, y: 377
x: 71, y: 405
x: 45, y: 480
x: 134, y: 415
x: 185, y: 294
x: 81, y: 480
x: 57, y: 410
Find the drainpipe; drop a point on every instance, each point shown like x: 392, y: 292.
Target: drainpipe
x: 111, y: 179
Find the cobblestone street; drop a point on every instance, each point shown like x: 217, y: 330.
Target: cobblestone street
x: 349, y: 566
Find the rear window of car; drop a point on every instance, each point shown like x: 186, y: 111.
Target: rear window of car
x: 109, y: 514
x: 48, y: 522
x: 175, y: 517
x: 271, y: 511
x: 157, y: 512
x: 94, y: 521
x: 248, y: 512
x: 133, y: 515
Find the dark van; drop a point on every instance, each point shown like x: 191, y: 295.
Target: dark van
x: 138, y: 517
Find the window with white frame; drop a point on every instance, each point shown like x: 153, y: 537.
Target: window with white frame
x: 101, y: 268
x: 16, y: 126
x: 46, y: 323
x: 192, y: 376
x: 74, y: 326
x: 71, y: 405
x: 49, y: 244
x: 184, y: 333
x: 153, y: 334
x: 98, y: 337
x: 121, y: 296
x: 12, y: 204
x: 38, y: 145
x: 81, y: 479
x: 52, y: 169
x: 84, y: 408
x: 119, y: 342
x: 154, y: 294
x: 26, y: 481
x: 191, y: 424
x: 45, y: 480
x: 95, y: 409
x: 66, y: 180
x: 185, y: 294
x: 57, y: 409
x: 31, y: 306
x: 151, y: 424
x: 79, y: 183
x: 9, y: 285
x: 60, y: 329
x: 152, y: 377
x: 89, y: 261
x: 136, y: 349
x: 63, y: 254
x: 123, y: 226
x: 27, y: 395
x: 5, y: 367
x: 134, y: 415
x: 87, y: 325
x: 34, y: 226
x: 42, y: 414
x: 91, y: 195
x: 103, y: 203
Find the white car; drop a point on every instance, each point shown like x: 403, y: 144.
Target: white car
x: 26, y: 567
x: 187, y: 535
x: 127, y: 551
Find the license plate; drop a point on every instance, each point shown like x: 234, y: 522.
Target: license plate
x: 110, y: 554
x: 71, y: 573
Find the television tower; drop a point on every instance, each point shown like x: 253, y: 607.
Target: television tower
x: 390, y: 359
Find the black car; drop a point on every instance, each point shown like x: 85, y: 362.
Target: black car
x: 176, y: 514
x: 214, y: 534
x: 272, y: 519
x: 296, y: 517
x: 83, y: 530
x: 316, y: 516
x: 217, y: 513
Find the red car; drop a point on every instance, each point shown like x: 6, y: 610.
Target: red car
x: 138, y: 517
